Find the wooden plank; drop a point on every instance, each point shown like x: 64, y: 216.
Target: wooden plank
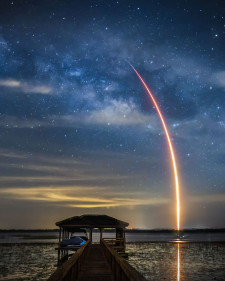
x: 96, y: 262
x: 95, y: 267
x: 119, y: 263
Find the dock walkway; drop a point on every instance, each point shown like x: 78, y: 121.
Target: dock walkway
x: 96, y: 262
x: 95, y: 266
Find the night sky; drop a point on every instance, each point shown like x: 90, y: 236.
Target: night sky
x: 79, y: 134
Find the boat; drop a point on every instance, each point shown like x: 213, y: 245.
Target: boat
x: 75, y: 241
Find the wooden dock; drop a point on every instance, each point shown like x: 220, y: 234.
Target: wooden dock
x: 95, y: 266
x: 96, y: 262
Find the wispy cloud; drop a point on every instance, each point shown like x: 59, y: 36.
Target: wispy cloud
x: 10, y: 83
x: 117, y: 112
x: 68, y: 197
x: 26, y: 87
x: 112, y: 113
x: 36, y: 169
x: 208, y: 198
x: 12, y: 154
x: 218, y: 78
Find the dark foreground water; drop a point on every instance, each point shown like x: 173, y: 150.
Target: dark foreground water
x: 180, y: 262
x: 188, y: 261
x: 22, y: 262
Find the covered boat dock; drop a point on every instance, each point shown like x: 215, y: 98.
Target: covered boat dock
x: 95, y: 261
x: 90, y: 222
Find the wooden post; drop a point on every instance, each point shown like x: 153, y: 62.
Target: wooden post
x: 100, y: 234
x: 119, y: 233
x: 90, y: 234
x: 60, y: 232
x: 60, y: 236
x: 120, y: 236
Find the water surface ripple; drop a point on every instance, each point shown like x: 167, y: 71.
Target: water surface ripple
x: 34, y: 260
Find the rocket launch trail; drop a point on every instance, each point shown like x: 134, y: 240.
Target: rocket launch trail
x: 173, y: 159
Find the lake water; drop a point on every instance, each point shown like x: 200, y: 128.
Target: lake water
x: 32, y: 256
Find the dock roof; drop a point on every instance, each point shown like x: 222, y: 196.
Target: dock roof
x: 92, y: 221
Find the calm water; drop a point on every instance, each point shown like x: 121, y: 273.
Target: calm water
x: 180, y: 262
x: 157, y: 261
x: 22, y: 262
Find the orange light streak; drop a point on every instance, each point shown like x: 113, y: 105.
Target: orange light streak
x: 178, y: 262
x: 169, y: 143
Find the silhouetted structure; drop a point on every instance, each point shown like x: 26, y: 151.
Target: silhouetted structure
x: 95, y: 262
x: 90, y: 222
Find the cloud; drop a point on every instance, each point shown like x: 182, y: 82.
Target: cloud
x: 12, y: 154
x: 3, y: 44
x: 218, y: 78
x: 117, y: 112
x: 10, y: 83
x: 28, y: 170
x: 26, y: 87
x: 68, y: 196
x: 208, y: 198
x: 16, y: 122
x: 111, y: 113
x: 40, y: 89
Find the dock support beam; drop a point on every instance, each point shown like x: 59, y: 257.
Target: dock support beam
x: 90, y: 234
x: 120, y: 235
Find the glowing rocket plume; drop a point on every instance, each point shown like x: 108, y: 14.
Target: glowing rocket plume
x: 169, y: 143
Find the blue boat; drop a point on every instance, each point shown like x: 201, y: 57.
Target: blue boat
x: 76, y: 240
x: 73, y: 241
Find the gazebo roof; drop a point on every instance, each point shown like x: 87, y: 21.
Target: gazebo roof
x: 91, y: 221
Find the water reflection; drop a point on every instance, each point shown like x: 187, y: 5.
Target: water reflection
x: 178, y: 261
x: 178, y: 241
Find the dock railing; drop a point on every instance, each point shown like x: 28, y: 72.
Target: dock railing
x: 121, y: 269
x: 70, y: 269
x: 116, y: 243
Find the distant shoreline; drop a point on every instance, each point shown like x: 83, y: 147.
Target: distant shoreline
x: 193, y: 230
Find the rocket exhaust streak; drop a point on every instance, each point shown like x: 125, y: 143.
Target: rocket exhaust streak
x: 169, y: 143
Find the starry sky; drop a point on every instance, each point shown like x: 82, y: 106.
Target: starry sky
x: 79, y: 134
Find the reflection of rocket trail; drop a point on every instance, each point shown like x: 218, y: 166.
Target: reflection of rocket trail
x: 169, y: 143
x: 178, y: 262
